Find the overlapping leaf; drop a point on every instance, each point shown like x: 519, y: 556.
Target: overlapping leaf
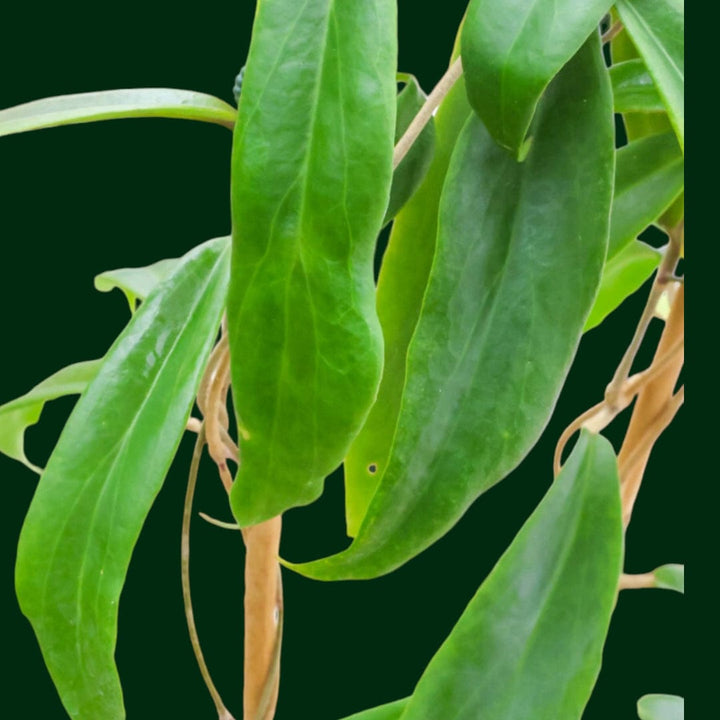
x: 529, y: 644
x: 312, y: 166
x: 390, y: 711
x: 657, y: 28
x: 634, y: 89
x: 512, y: 50
x: 115, y: 104
x: 401, y: 285
x: 103, y: 476
x: 518, y: 261
x: 19, y: 414
x: 661, y: 707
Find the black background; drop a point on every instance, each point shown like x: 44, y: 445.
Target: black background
x: 79, y: 200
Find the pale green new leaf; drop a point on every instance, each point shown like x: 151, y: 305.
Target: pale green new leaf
x: 519, y: 256
x: 661, y: 707
x: 311, y: 174
x: 115, y: 105
x: 670, y: 577
x: 103, y: 476
x: 511, y: 50
x: 529, y: 644
x: 390, y: 711
x: 657, y: 28
x: 634, y: 89
x: 622, y: 275
x: 649, y: 176
x: 19, y: 414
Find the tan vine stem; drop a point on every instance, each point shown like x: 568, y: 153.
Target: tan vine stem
x: 222, y: 711
x: 634, y: 582
x: 655, y: 406
x: 613, y: 31
x: 426, y: 111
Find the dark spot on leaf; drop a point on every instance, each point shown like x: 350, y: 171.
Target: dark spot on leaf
x: 372, y: 468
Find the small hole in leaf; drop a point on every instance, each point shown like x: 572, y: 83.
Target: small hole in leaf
x: 372, y: 468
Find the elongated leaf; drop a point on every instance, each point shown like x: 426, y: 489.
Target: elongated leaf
x: 529, y: 644
x: 670, y: 577
x: 622, y: 276
x: 634, y: 89
x: 115, y: 104
x: 136, y: 283
x: 312, y: 166
x: 657, y: 28
x: 103, y: 476
x: 390, y: 711
x: 19, y: 414
x: 512, y: 50
x: 649, y: 176
x: 412, y: 169
x: 661, y: 707
x: 401, y: 285
x: 518, y: 261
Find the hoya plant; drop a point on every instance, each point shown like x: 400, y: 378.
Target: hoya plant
x: 397, y: 307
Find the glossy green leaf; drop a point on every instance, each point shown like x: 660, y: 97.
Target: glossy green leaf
x: 512, y: 50
x: 661, y: 707
x: 634, y: 89
x: 670, y: 577
x: 518, y: 261
x: 19, y: 414
x: 390, y: 711
x: 529, y: 644
x: 622, y: 276
x: 136, y: 283
x: 312, y: 167
x: 409, y: 174
x: 657, y: 28
x: 401, y: 286
x: 103, y: 476
x: 649, y: 176
x: 114, y: 105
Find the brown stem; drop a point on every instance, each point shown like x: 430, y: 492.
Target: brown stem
x: 426, y: 111
x: 654, y: 403
x: 634, y: 582
x: 263, y: 619
x: 612, y: 32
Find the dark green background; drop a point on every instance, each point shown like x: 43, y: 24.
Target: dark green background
x: 76, y: 201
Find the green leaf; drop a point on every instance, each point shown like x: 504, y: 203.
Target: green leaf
x: 529, y: 644
x: 136, y: 283
x: 661, y: 707
x: 622, y: 276
x: 19, y: 414
x: 649, y: 176
x: 670, y: 577
x: 401, y: 286
x: 634, y: 89
x: 518, y: 261
x: 312, y: 167
x: 412, y: 169
x: 512, y: 50
x: 390, y: 711
x: 114, y: 105
x: 657, y: 28
x: 103, y: 476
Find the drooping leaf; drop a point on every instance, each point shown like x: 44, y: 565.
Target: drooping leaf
x: 115, y: 104
x: 670, y: 577
x: 136, y: 283
x: 512, y: 50
x: 312, y: 166
x: 657, y: 28
x: 649, y: 176
x: 518, y: 261
x: 401, y: 285
x: 19, y: 414
x: 634, y: 89
x: 390, y: 711
x: 409, y: 174
x: 529, y: 644
x: 103, y: 476
x: 661, y: 707
x: 622, y: 275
